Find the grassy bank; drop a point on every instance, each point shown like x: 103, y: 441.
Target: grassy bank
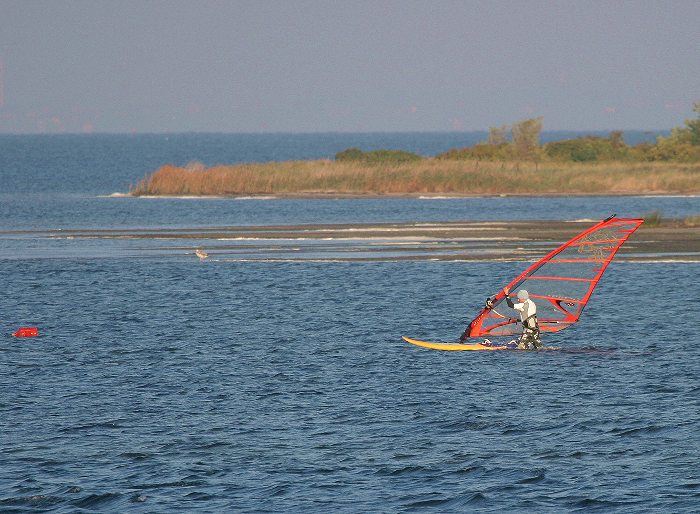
x: 427, y: 176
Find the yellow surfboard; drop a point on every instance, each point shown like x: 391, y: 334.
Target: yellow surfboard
x: 455, y: 347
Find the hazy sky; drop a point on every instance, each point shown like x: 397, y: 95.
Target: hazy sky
x: 345, y: 65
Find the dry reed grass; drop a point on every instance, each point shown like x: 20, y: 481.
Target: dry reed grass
x: 428, y: 176
x: 692, y: 221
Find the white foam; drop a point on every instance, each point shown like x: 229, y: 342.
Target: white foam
x: 188, y: 197
x: 180, y: 197
x: 406, y: 238
x: 435, y: 228
x: 662, y: 261
x: 459, y: 197
x: 115, y: 195
x: 669, y: 196
x: 297, y: 260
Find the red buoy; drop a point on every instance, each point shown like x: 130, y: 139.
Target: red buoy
x: 26, y: 332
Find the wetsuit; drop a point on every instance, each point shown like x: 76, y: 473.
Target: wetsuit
x: 530, y: 339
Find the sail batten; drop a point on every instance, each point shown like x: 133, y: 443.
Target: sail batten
x: 561, y: 283
x: 539, y: 277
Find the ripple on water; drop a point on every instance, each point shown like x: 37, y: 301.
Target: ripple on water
x: 285, y: 387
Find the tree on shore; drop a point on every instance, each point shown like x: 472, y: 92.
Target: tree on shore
x: 617, y: 140
x: 522, y: 142
x: 694, y: 126
x: 498, y: 135
x: 682, y: 145
x: 526, y: 138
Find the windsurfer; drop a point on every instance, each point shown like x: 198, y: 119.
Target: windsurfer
x: 530, y: 338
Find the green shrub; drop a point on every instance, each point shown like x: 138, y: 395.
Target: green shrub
x: 377, y: 156
x: 479, y: 152
x: 350, y: 154
x: 667, y: 150
x: 641, y: 152
x: 587, y: 149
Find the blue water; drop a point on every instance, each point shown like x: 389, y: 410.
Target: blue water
x: 159, y: 383
x: 103, y: 163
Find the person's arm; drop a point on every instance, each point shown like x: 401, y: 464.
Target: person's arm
x: 508, y: 300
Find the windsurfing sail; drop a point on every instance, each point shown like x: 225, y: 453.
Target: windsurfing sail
x: 560, y: 284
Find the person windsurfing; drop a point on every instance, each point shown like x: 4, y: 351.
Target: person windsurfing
x: 530, y: 338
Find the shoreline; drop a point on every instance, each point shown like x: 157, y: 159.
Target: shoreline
x: 446, y: 240
x: 419, y: 196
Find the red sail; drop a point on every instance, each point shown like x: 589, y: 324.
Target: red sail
x: 561, y: 283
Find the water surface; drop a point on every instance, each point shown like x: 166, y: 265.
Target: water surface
x: 178, y: 385
x: 160, y: 383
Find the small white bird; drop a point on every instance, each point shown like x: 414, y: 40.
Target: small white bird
x: 201, y: 254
